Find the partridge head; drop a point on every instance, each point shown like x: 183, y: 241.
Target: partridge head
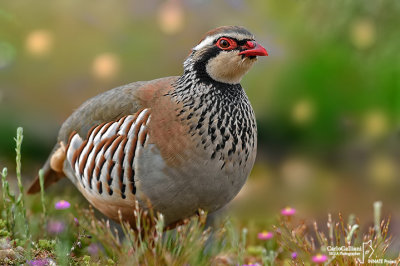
x: 180, y: 143
x: 225, y: 55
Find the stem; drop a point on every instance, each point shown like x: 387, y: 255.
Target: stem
x: 377, y: 217
x: 6, y: 193
x: 3, y: 185
x: 18, y: 141
x: 351, y: 233
x: 41, y: 182
x: 20, y: 200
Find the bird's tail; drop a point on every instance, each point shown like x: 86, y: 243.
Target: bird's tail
x: 52, y: 169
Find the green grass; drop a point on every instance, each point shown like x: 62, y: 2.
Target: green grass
x: 34, y: 235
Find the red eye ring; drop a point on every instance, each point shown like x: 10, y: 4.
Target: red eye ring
x: 226, y: 43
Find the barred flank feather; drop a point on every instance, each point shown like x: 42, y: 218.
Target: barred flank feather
x: 104, y: 161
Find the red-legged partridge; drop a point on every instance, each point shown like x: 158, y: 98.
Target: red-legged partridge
x: 182, y: 143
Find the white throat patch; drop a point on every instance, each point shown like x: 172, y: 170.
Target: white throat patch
x: 229, y: 67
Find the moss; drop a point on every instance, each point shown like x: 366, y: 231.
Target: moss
x: 48, y: 245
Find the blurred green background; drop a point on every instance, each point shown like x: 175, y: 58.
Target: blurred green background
x: 327, y: 98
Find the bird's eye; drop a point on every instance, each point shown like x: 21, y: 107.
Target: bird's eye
x: 225, y: 43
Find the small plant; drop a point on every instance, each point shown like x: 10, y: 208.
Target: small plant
x: 148, y: 243
x: 313, y: 244
x: 42, y: 198
x: 15, y: 212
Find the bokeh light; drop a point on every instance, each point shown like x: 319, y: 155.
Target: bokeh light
x: 39, y: 42
x: 106, y: 66
x: 363, y: 33
x: 382, y: 170
x: 302, y: 111
x: 171, y: 17
x: 375, y: 124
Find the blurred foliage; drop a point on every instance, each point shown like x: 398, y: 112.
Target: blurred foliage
x: 343, y: 66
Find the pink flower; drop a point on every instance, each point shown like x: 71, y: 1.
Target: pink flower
x: 55, y: 227
x: 264, y: 235
x: 319, y: 258
x: 288, y: 211
x: 294, y: 255
x: 76, y: 221
x: 62, y: 204
x: 40, y: 262
x: 93, y: 249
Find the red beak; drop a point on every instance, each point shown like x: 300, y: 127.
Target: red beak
x: 252, y: 48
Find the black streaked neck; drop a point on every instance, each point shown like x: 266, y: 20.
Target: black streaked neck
x: 219, y: 113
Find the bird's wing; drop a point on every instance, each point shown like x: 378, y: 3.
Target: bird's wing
x: 103, y: 108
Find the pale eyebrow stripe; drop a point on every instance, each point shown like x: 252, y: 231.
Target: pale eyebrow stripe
x: 207, y: 41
